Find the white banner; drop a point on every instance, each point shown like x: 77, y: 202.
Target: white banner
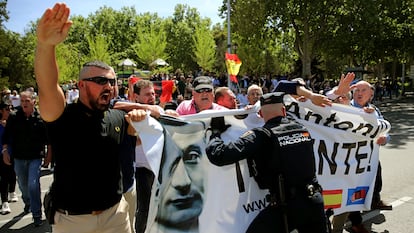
x: 192, y: 195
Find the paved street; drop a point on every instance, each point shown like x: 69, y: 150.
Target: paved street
x: 16, y: 221
x: 398, y: 171
x: 397, y: 161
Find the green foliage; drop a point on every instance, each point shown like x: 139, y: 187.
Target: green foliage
x: 99, y: 48
x: 204, y: 48
x: 16, y: 60
x: 180, y: 29
x: 150, y: 44
x: 67, y: 59
x: 313, y: 38
x: 3, y: 12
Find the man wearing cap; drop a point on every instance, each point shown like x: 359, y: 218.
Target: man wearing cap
x: 286, y: 169
x: 203, y: 98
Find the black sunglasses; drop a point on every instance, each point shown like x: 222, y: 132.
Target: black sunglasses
x: 101, y: 80
x: 202, y: 90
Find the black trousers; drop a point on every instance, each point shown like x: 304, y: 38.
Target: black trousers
x: 378, y: 184
x: 144, y: 179
x: 7, y: 180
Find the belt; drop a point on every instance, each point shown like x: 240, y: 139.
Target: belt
x: 68, y: 212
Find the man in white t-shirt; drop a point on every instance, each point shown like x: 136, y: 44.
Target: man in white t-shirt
x: 15, y: 99
x: 73, y: 95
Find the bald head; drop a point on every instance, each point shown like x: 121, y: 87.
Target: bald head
x: 363, y: 93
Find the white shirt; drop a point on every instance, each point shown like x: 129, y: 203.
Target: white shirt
x: 15, y: 100
x: 242, y: 100
x: 73, y: 94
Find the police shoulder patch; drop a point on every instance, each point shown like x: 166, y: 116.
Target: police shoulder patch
x: 248, y: 133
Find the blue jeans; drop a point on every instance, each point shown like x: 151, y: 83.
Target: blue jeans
x: 28, y: 178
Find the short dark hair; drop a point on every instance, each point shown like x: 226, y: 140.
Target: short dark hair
x: 142, y: 84
x: 96, y: 63
x: 99, y: 64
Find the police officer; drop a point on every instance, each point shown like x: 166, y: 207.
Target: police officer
x: 280, y: 156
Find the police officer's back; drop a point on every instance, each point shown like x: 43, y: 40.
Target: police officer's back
x: 280, y: 156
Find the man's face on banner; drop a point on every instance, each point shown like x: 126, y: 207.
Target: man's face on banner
x: 182, y: 187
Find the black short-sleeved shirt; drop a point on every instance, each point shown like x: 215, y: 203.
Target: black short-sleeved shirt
x: 85, y: 146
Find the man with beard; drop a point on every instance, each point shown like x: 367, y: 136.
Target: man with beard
x: 86, y: 190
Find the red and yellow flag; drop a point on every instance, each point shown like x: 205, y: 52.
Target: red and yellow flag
x: 233, y: 64
x: 332, y: 198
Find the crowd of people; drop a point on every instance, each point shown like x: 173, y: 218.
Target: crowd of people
x: 98, y: 112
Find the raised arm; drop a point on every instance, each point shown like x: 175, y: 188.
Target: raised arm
x: 344, y: 86
x: 52, y: 29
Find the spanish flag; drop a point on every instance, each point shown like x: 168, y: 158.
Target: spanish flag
x: 332, y: 198
x: 233, y: 64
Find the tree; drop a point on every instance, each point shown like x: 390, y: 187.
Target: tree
x: 220, y: 38
x: 151, y: 42
x: 180, y: 29
x: 120, y: 26
x: 99, y: 48
x: 3, y: 12
x: 204, y: 47
x: 16, y: 60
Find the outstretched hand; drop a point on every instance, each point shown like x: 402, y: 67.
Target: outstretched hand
x: 54, y: 25
x: 320, y: 100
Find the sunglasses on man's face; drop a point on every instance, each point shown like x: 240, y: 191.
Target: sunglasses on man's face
x: 101, y: 80
x: 203, y: 90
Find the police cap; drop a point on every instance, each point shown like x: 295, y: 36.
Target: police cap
x: 272, y: 98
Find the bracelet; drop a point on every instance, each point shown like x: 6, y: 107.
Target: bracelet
x: 5, y: 149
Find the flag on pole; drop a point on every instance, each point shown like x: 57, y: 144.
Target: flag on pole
x: 233, y: 64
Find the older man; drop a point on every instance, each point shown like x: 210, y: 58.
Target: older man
x: 362, y: 96
x: 203, y: 98
x: 254, y: 92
